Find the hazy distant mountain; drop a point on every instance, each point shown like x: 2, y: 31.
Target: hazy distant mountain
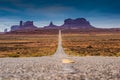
x: 5, y: 30
x: 23, y: 25
x: 77, y: 23
x: 51, y: 26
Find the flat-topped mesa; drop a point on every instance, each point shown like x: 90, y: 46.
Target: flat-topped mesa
x: 51, y: 26
x: 23, y: 25
x: 77, y: 23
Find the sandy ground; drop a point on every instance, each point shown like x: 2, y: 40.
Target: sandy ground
x: 52, y: 68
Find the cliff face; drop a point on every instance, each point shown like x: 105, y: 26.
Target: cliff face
x: 76, y: 23
x: 23, y: 25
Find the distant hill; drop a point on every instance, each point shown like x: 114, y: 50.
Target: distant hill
x: 1, y: 32
x: 34, y: 31
x: 66, y: 31
x: 91, y: 31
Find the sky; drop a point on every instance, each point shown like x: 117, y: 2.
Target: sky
x: 100, y: 13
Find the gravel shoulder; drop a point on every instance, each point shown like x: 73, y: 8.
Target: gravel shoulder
x: 51, y: 68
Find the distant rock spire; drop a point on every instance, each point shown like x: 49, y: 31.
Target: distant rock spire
x: 21, y: 23
x: 51, y: 23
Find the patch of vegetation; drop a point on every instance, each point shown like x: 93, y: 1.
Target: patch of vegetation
x: 13, y: 55
x: 27, y: 45
x: 118, y: 54
x: 87, y: 45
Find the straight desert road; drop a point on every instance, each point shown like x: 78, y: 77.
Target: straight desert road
x: 53, y: 68
x: 60, y: 51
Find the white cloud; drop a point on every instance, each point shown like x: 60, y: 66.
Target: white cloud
x: 7, y: 23
x: 9, y: 9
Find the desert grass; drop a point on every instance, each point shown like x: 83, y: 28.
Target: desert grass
x: 92, y: 45
x: 27, y: 45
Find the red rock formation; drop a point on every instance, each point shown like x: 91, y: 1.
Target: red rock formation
x: 23, y: 25
x: 51, y: 25
x: 77, y: 23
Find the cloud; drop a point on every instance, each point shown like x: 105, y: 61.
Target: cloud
x: 7, y: 9
x: 51, y: 9
x: 7, y: 23
x: 56, y: 8
x: 50, y: 12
